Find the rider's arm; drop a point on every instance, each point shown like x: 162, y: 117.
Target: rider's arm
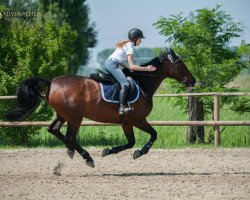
x: 134, y: 67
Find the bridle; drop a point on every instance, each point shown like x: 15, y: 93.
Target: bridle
x: 173, y: 59
x: 162, y: 58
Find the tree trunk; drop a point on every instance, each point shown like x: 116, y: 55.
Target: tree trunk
x: 196, y: 113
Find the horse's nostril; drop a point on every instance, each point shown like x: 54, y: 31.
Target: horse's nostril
x: 184, y: 79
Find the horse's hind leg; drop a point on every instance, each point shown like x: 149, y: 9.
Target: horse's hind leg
x: 70, y: 148
x: 54, y: 128
x: 146, y: 127
x: 71, y: 133
x: 129, y: 132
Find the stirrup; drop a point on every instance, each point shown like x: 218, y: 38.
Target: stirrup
x: 123, y: 110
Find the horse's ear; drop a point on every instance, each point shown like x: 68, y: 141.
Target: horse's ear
x: 173, y: 53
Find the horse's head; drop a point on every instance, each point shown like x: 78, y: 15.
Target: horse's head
x: 174, y: 67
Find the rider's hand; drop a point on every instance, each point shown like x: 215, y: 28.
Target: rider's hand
x: 150, y: 68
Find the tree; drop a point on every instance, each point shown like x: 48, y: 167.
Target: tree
x: 75, y: 13
x: 203, y: 42
x: 19, y: 5
x: 31, y: 49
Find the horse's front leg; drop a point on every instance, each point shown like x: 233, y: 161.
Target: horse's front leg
x: 129, y: 132
x: 146, y: 127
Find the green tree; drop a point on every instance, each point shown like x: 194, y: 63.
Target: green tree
x: 203, y: 42
x: 19, y: 5
x: 103, y: 55
x: 30, y: 49
x: 75, y: 13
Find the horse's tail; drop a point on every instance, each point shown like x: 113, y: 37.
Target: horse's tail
x: 28, y: 98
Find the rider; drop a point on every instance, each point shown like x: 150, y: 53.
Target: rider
x: 124, y: 51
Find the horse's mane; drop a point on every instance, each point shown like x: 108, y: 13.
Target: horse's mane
x: 155, y: 61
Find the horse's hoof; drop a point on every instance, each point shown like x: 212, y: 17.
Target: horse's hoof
x: 137, y: 154
x: 90, y: 164
x: 70, y: 153
x: 105, y: 152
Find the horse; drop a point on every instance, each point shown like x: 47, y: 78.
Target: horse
x: 76, y: 97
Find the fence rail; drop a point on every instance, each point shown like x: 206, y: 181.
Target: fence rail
x: 179, y: 95
x: 216, y: 123
x: 154, y: 123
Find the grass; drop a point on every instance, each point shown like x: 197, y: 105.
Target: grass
x: 242, y: 82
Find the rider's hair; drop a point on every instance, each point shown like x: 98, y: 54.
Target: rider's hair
x: 121, y: 43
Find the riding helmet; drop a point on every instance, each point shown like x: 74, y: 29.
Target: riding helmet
x: 134, y: 34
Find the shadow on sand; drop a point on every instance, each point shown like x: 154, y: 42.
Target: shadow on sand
x: 148, y: 174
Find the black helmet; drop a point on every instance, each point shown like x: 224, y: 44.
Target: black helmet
x: 134, y: 34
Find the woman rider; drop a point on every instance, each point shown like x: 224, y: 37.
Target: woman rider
x: 124, y: 51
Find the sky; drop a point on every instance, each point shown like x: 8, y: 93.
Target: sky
x: 114, y: 18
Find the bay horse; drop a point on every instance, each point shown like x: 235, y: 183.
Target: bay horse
x: 75, y: 97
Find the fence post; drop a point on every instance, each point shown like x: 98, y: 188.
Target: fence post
x: 216, y: 118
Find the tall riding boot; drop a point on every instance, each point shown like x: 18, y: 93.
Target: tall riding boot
x: 123, y: 104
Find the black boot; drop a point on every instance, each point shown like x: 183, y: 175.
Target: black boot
x: 123, y: 96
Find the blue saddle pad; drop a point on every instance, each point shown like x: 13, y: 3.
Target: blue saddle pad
x: 111, y: 94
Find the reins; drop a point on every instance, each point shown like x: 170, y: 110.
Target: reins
x: 149, y: 75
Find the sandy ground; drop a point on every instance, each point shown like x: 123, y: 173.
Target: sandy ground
x: 162, y: 174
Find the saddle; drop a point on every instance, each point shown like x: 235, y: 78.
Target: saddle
x: 110, y: 88
x: 108, y: 79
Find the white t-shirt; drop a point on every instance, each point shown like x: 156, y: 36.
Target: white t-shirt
x: 121, y: 54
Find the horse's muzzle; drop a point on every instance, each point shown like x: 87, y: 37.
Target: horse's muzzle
x: 188, y: 83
